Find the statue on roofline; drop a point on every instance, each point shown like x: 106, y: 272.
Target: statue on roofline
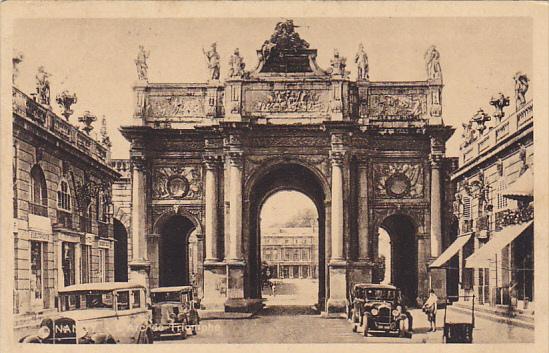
x: 212, y: 58
x: 141, y: 64
x: 361, y: 59
x: 432, y: 64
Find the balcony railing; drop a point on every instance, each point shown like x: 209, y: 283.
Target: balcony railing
x: 64, y: 219
x: 39, y: 210
x: 467, y: 226
x: 103, y: 229
x: 515, y: 216
x: 85, y: 224
x: 27, y: 108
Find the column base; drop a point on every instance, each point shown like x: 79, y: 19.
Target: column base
x: 337, y: 300
x: 360, y: 272
x: 139, y: 272
x: 215, y: 285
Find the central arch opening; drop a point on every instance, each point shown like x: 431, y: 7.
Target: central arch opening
x: 286, y: 203
x: 397, y: 255
x: 174, y: 254
x: 289, y: 249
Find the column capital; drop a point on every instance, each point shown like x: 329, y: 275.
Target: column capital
x: 212, y: 161
x: 338, y: 158
x: 235, y: 158
x: 436, y: 160
x: 138, y: 163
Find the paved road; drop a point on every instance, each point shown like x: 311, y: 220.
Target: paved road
x: 296, y: 324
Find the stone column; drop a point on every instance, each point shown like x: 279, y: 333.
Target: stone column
x: 337, y: 227
x: 436, y: 207
x: 337, y: 266
x: 211, y: 212
x: 235, y: 199
x: 235, y: 263
x: 139, y: 265
x: 363, y: 217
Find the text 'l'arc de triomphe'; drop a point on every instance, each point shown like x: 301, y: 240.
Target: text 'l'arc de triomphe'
x: 369, y: 154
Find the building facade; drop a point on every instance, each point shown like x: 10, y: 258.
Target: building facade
x: 291, y: 252
x: 493, y: 254
x: 63, y: 232
x: 205, y: 157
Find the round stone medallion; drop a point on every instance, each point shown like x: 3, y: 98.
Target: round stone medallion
x: 397, y: 185
x: 178, y: 186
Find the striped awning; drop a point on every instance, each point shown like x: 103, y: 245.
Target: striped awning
x: 522, y: 188
x: 450, y: 251
x: 482, y: 257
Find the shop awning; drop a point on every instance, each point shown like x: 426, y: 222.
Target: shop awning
x: 481, y: 258
x: 522, y: 188
x: 450, y: 251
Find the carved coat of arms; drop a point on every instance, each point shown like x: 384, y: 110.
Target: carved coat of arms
x: 177, y: 183
x: 398, y: 180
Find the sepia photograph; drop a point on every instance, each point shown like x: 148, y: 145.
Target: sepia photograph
x: 232, y: 173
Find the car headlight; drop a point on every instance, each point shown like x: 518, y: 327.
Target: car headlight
x: 374, y: 311
x: 396, y: 312
x: 44, y: 332
x: 81, y: 331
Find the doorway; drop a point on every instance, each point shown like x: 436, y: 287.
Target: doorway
x: 173, y: 254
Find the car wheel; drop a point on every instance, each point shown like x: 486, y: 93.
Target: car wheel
x: 366, y: 327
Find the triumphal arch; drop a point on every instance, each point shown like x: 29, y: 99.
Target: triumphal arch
x: 206, y: 156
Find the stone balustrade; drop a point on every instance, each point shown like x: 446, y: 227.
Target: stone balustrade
x: 494, y: 135
x: 26, y: 108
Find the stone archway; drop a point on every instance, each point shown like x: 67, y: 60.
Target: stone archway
x: 120, y: 251
x: 173, y: 251
x: 275, y: 177
x: 404, y: 260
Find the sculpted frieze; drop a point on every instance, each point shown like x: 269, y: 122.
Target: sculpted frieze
x: 174, y: 107
x: 288, y: 141
x: 177, y: 183
x: 398, y: 180
x: 397, y: 107
x: 287, y: 101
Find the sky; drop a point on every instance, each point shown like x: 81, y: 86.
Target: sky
x: 95, y: 57
x: 275, y: 210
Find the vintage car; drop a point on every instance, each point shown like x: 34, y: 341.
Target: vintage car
x: 108, y: 312
x: 378, y: 307
x: 174, y: 311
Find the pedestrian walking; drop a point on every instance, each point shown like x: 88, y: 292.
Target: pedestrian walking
x: 430, y: 308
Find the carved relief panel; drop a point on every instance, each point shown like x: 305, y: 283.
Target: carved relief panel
x: 175, y: 107
x: 395, y: 104
x: 177, y: 182
x: 398, y: 180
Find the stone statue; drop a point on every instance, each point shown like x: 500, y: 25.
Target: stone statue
x: 499, y: 102
x: 432, y: 64
x: 338, y: 64
x: 521, y: 87
x: 141, y: 64
x: 361, y: 59
x: 236, y: 64
x: 105, y: 139
x: 212, y: 57
x: 16, y: 60
x: 286, y: 38
x: 481, y: 118
x: 43, y: 86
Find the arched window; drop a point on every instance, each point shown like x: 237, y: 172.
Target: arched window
x: 64, y: 196
x: 39, y: 192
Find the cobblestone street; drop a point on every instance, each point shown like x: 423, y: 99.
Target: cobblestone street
x: 287, y: 324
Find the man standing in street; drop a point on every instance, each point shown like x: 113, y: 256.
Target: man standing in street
x: 430, y: 308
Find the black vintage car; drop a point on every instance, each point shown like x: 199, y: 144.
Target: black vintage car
x: 174, y: 311
x: 378, y: 307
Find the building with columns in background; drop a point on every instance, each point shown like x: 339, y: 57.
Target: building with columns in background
x: 62, y: 204
x: 204, y: 157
